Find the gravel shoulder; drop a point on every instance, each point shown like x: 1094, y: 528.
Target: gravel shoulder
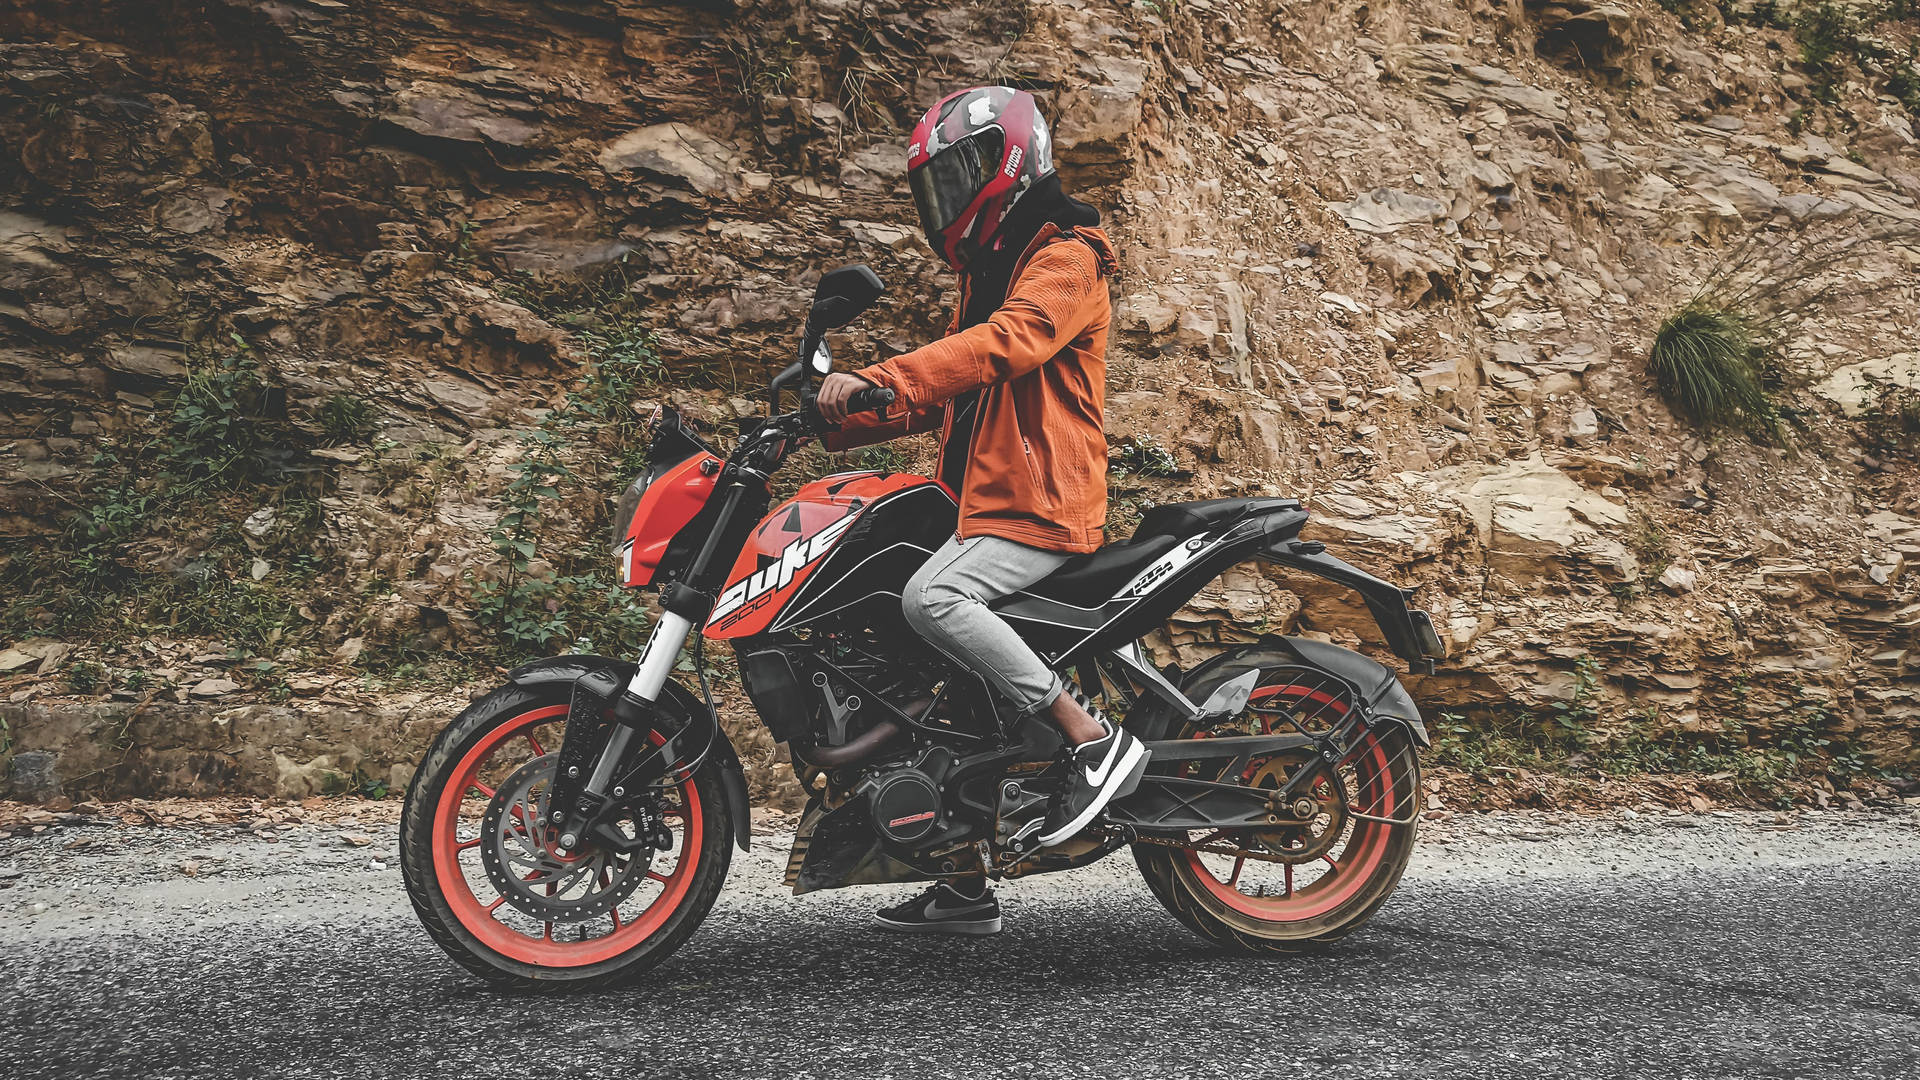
x: 110, y: 878
x: 1519, y: 945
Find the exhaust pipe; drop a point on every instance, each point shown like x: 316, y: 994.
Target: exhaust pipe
x: 856, y: 749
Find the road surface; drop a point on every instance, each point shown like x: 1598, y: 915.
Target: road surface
x: 1722, y: 946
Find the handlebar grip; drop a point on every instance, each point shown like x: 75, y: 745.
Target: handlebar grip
x: 872, y: 399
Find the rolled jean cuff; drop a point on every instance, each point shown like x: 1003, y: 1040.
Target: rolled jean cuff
x: 1047, y: 699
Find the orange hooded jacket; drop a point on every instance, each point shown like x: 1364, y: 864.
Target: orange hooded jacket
x: 1037, y: 466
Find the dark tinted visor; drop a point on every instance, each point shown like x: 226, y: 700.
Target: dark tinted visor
x: 944, y: 186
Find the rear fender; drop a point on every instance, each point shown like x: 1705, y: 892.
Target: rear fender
x: 1382, y: 699
x: 674, y: 697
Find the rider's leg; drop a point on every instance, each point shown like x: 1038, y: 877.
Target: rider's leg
x: 946, y: 603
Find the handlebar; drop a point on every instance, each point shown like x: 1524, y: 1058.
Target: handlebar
x: 872, y: 399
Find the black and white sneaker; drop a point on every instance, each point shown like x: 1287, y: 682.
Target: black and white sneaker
x: 943, y: 909
x: 1097, y: 773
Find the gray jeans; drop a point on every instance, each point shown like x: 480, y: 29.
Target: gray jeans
x: 946, y: 603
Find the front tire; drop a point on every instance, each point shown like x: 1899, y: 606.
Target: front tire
x: 1318, y: 882
x: 462, y: 800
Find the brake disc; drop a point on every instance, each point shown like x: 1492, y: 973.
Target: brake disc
x: 520, y: 853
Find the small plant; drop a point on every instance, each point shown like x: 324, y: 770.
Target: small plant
x: 1825, y: 31
x: 346, y: 418
x: 221, y: 432
x: 1576, y: 715
x: 1768, y: 13
x: 365, y: 786
x: 1707, y: 362
x: 1143, y: 455
x: 1652, y: 547
x: 1891, y: 423
x: 86, y: 677
x: 882, y: 458
x: 462, y: 257
x: 622, y: 362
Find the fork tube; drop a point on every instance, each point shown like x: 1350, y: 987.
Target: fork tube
x: 663, y: 648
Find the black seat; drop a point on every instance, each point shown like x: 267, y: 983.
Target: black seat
x: 1181, y: 520
x: 1091, y: 580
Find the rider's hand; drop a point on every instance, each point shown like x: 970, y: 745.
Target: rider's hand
x: 835, y: 390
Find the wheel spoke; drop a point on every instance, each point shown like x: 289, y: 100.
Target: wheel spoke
x: 473, y: 843
x: 484, y: 790
x: 491, y: 907
x: 1289, y: 877
x: 535, y: 743
x: 1239, y: 864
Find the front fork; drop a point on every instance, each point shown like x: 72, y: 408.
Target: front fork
x: 578, y: 803
x: 637, y: 703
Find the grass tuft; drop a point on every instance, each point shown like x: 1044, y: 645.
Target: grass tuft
x: 1708, y: 363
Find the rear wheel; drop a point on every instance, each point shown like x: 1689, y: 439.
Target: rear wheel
x: 1322, y: 872
x: 486, y: 877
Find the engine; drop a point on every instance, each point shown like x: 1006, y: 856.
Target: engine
x: 904, y: 799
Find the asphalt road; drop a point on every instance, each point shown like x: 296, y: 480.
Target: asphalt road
x: 1614, y: 948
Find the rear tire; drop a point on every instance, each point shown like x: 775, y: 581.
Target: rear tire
x: 1359, y: 868
x: 439, y: 858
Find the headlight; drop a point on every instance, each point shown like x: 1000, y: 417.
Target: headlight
x: 623, y: 513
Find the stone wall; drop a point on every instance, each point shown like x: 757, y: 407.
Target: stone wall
x: 1402, y: 260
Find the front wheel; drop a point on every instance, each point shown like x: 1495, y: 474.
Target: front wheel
x: 491, y: 888
x: 1322, y: 873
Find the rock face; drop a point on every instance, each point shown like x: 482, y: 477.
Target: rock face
x: 1402, y: 260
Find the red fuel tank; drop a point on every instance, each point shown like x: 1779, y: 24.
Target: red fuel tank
x: 797, y: 539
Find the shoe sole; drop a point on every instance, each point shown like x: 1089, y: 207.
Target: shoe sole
x: 974, y: 928
x: 1129, y: 770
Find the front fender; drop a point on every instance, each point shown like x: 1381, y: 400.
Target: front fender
x: 733, y: 778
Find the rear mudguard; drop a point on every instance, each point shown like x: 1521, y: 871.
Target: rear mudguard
x: 733, y: 779
x: 1381, y: 698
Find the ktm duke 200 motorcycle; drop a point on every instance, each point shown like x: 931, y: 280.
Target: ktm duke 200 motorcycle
x: 574, y: 826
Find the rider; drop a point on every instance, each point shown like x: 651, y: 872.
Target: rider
x: 1016, y: 390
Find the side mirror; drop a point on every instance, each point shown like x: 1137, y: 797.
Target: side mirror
x: 841, y: 296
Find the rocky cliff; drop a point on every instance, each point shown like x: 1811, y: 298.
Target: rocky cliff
x: 1404, y: 260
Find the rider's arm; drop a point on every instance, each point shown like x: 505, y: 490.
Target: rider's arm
x: 1055, y: 298
x: 865, y: 429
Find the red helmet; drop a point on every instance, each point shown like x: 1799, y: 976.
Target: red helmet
x: 973, y: 155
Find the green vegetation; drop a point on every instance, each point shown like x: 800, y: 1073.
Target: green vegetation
x: 1834, y: 39
x: 533, y: 611
x: 346, y: 418
x: 1570, y: 738
x: 1708, y: 363
x: 569, y: 595
x: 86, y: 677
x: 155, y: 543
x: 1891, y: 424
x: 881, y: 458
x: 170, y: 537
x: 1143, y: 455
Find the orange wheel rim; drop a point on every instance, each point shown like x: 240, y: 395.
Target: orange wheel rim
x: 481, y: 916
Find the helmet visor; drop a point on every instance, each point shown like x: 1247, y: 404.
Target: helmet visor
x: 945, y: 186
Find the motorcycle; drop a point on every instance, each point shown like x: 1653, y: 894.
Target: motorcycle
x: 573, y: 827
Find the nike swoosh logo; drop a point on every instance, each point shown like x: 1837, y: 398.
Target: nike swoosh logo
x: 1098, y: 777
